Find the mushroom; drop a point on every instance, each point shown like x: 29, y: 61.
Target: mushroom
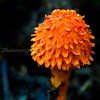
x: 62, y: 43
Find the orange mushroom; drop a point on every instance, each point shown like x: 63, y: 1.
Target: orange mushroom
x: 62, y: 43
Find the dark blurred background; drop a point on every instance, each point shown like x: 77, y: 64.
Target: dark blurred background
x: 20, y: 76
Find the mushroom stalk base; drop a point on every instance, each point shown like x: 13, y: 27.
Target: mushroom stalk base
x: 60, y: 80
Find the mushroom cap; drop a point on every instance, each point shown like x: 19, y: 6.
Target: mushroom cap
x: 62, y: 41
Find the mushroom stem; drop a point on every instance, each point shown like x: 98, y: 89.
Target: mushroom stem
x: 60, y: 80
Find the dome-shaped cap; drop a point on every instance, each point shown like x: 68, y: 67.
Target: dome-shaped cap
x: 62, y: 41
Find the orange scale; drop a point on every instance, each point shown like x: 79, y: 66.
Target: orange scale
x: 92, y: 37
x: 34, y: 49
x: 47, y: 55
x: 64, y: 67
x: 75, y: 60
x: 53, y: 61
x: 76, y: 50
x: 41, y: 61
x: 86, y: 38
x: 34, y: 57
x: 41, y: 44
x: 80, y: 40
x: 74, y: 37
x: 33, y: 45
x: 59, y: 61
x: 66, y: 46
x: 88, y: 62
x: 41, y: 53
x: 48, y: 47
x: 57, y: 52
x: 92, y: 52
x: 83, y: 59
x: 59, y: 67
x: 52, y: 50
x: 91, y: 58
x: 68, y: 66
x: 68, y: 29
x: 33, y: 39
x: 38, y: 59
x: 83, y: 46
x: 50, y: 35
x: 47, y: 64
x: 68, y: 59
x: 65, y: 53
x: 92, y: 44
x: 59, y: 43
x: 33, y: 53
x: 33, y: 34
x: 71, y: 46
x: 78, y: 66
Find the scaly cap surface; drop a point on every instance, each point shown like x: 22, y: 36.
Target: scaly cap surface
x: 62, y: 41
